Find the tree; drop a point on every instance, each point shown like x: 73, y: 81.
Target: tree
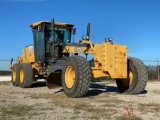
x: 3, y: 72
x: 152, y: 72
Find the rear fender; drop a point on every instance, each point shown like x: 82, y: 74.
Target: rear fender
x: 54, y: 74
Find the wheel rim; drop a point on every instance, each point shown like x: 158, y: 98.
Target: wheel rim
x: 14, y: 75
x: 70, y: 77
x: 130, y: 77
x: 129, y: 80
x: 21, y: 76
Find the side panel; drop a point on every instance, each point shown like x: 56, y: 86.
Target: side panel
x: 28, y: 54
x: 120, y: 61
x: 111, y: 59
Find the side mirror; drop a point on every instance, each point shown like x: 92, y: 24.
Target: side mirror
x: 74, y: 31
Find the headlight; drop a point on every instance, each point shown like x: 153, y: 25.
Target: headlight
x: 85, y: 37
x: 108, y: 39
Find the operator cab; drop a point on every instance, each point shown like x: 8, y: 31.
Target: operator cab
x: 49, y: 43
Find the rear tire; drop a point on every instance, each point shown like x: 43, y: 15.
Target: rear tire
x: 15, y: 74
x: 137, y: 77
x: 26, y: 75
x: 76, y: 76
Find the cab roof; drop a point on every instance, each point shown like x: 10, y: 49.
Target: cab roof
x: 34, y: 25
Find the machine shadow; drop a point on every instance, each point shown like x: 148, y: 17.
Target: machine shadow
x: 96, y: 89
x: 39, y: 84
x: 144, y: 92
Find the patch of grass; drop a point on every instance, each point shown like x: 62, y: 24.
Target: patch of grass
x: 42, y: 95
x: 151, y: 107
x: 94, y: 117
x: 156, y: 91
x: 46, y: 108
x: 79, y: 105
x: 16, y: 111
x: 96, y: 112
x: 76, y: 111
x: 128, y: 118
x: 110, y: 102
x: 3, y: 101
x: 89, y: 108
x: 5, y: 83
x: 60, y: 100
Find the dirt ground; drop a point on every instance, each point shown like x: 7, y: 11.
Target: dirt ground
x: 103, y: 101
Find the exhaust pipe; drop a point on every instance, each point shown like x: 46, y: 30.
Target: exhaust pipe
x: 88, y: 29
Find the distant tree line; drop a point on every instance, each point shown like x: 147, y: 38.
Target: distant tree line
x: 153, y: 72
x: 4, y: 72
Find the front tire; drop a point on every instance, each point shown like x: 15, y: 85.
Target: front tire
x: 137, y: 77
x: 26, y: 75
x: 76, y: 76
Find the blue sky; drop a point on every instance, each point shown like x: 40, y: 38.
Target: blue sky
x: 135, y: 23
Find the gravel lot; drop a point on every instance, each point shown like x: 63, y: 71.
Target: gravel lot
x: 102, y: 102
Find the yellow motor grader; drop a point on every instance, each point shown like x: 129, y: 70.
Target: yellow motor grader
x: 55, y: 58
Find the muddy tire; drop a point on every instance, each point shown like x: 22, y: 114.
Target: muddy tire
x: 26, y: 75
x: 76, y: 76
x: 15, y: 74
x: 137, y: 77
